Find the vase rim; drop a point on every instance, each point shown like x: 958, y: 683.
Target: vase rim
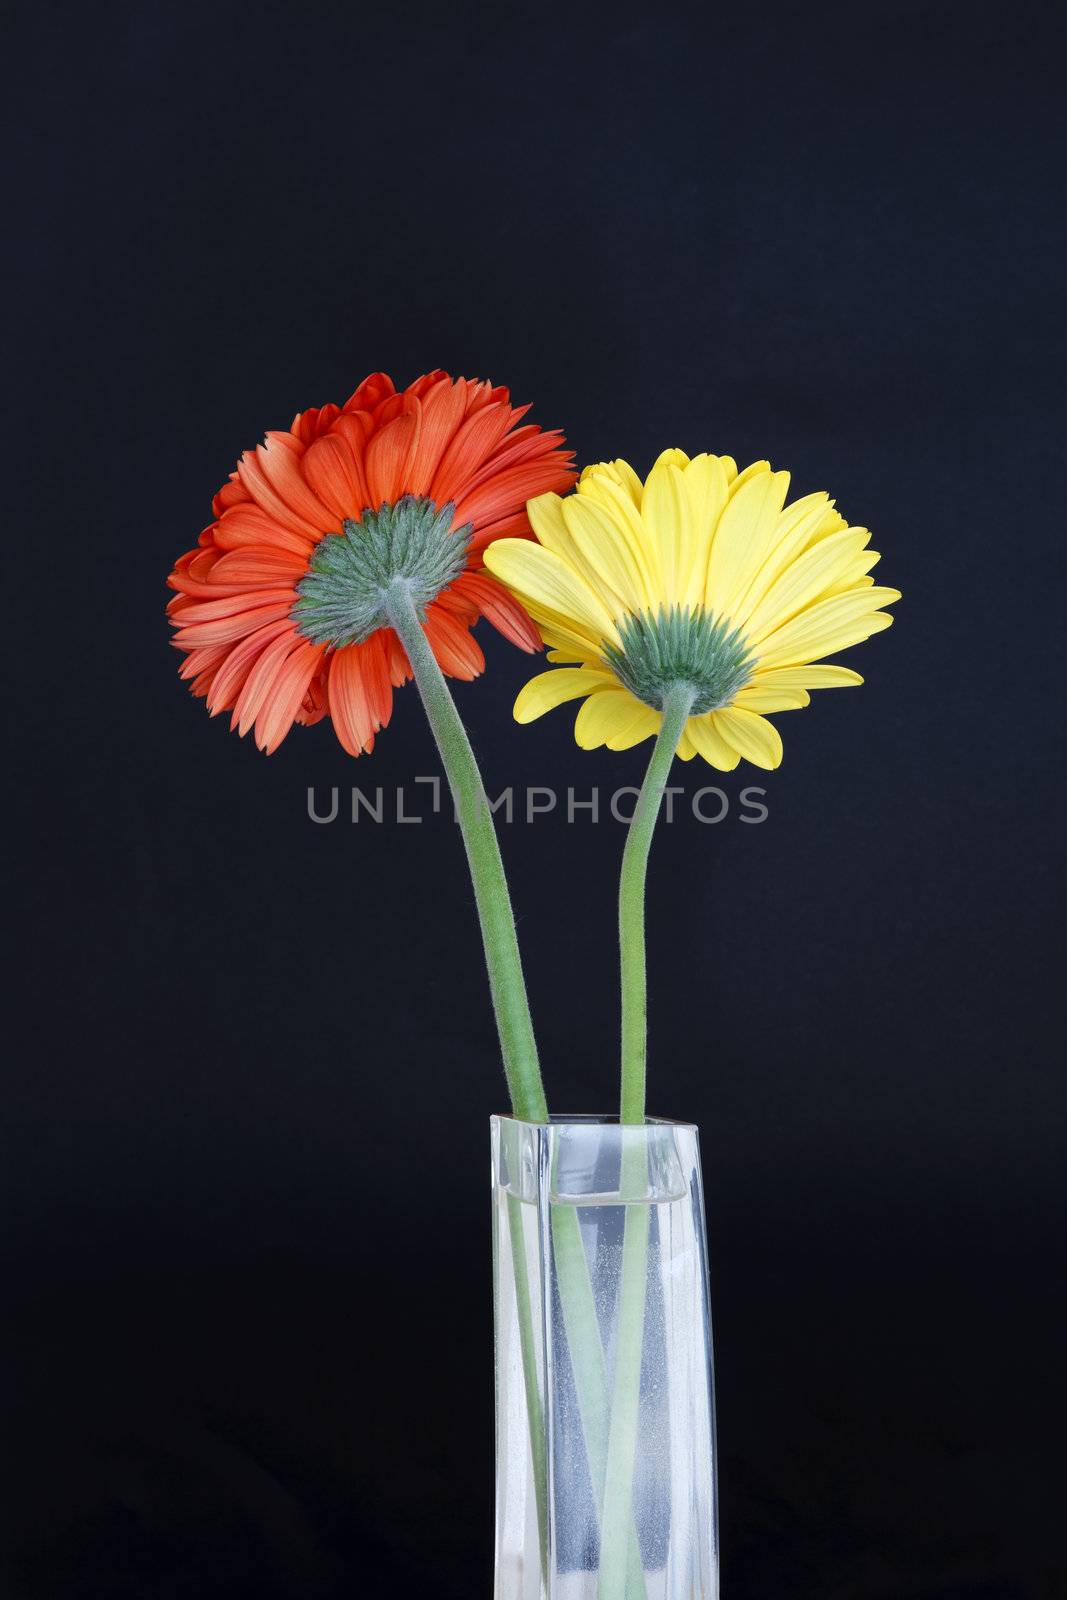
x: 594, y: 1120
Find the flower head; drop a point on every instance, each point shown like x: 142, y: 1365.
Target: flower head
x: 279, y: 607
x: 700, y: 576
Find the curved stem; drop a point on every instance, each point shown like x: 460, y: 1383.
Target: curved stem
x: 614, y: 1582
x: 507, y: 985
x: 676, y: 708
x: 502, y: 957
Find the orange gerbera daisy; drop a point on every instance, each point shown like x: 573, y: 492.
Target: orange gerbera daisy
x: 279, y: 606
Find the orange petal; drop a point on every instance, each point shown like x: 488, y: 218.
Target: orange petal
x: 458, y: 652
x: 520, y: 446
x: 396, y: 660
x: 268, y: 568
x: 476, y: 439
x: 336, y: 476
x: 350, y: 704
x: 232, y: 605
x: 286, y: 695
x: 241, y: 658
x: 387, y: 458
x: 206, y: 659
x: 516, y: 526
x: 312, y: 424
x: 260, y: 681
x: 226, y: 629
x: 479, y: 395
x: 231, y: 494
x: 370, y: 392
x: 271, y: 474
x: 506, y: 492
x: 442, y: 414
x: 314, y: 705
x: 500, y: 608
x: 377, y: 680
x: 194, y: 576
x: 429, y: 380
x: 250, y: 524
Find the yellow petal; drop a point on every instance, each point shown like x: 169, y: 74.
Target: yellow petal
x: 548, y: 520
x: 671, y: 458
x: 708, y: 742
x: 831, y: 522
x: 667, y: 514
x: 563, y: 633
x: 739, y: 479
x: 743, y: 539
x: 804, y: 582
x: 765, y: 698
x: 618, y: 503
x: 855, y: 574
x: 751, y: 736
x: 545, y: 512
x: 827, y: 627
x: 585, y: 538
x: 551, y: 689
x: 569, y: 648
x: 606, y: 555
x: 547, y: 584
x: 619, y: 472
x: 708, y: 488
x: 605, y: 715
x: 813, y: 677
x: 643, y: 724
x: 793, y: 534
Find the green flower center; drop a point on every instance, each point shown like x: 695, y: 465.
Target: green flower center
x: 342, y: 596
x: 677, y: 645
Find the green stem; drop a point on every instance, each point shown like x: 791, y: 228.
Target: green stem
x: 483, y: 853
x: 617, y: 1515
x: 507, y: 985
x: 578, y: 1304
x: 534, y: 1414
x: 676, y: 708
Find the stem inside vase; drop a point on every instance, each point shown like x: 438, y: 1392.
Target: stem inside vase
x: 624, y: 1370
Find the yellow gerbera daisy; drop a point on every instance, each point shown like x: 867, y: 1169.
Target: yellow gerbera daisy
x: 699, y: 584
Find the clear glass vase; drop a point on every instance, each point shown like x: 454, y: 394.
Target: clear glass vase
x: 605, y: 1423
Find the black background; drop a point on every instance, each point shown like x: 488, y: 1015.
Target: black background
x: 253, y: 1057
